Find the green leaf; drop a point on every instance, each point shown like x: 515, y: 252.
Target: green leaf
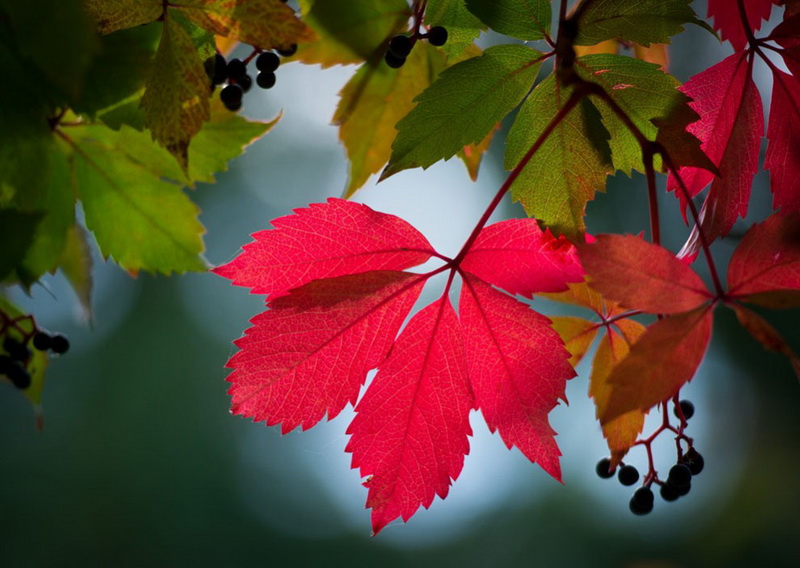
x: 113, y: 15
x: 138, y: 218
x: 350, y: 31
x: 17, y: 230
x: 639, y: 21
x: 371, y: 104
x: 642, y: 90
x: 76, y: 264
x: 569, y: 167
x: 528, y: 19
x: 463, y: 28
x: 175, y: 101
x: 463, y: 105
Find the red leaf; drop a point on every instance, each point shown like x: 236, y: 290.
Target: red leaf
x: 728, y: 20
x: 309, y: 354
x: 783, y: 153
x: 767, y: 261
x: 519, y: 257
x: 518, y: 368
x: 325, y: 240
x: 730, y: 128
x: 410, y: 431
x: 787, y: 35
x: 659, y: 363
x: 766, y: 335
x: 642, y: 276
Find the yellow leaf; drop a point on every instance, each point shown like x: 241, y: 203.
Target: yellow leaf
x: 607, y: 46
x: 577, y: 334
x: 113, y: 15
x: 176, y: 98
x: 267, y: 24
x: 473, y: 154
x: 655, y: 53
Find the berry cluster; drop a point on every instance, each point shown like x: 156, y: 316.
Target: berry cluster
x: 400, y: 45
x: 679, y: 479
x: 233, y: 74
x: 16, y: 352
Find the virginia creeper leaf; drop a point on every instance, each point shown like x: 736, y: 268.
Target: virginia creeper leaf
x: 349, y: 31
x: 472, y: 154
x: 113, y: 15
x: 787, y: 35
x: 766, y: 335
x: 308, y: 355
x: 730, y: 129
x: 577, y: 335
x: 517, y: 256
x: 518, y: 369
x: 462, y: 26
x: 528, y: 20
x: 371, y: 104
x: 640, y: 21
x: 323, y: 241
x: 268, y: 24
x: 462, y: 106
x: 641, y: 275
x: 17, y: 232
x: 410, y: 433
x: 783, y: 159
x: 766, y: 264
x: 567, y: 170
x: 728, y: 20
x: 76, y: 265
x: 664, y: 358
x: 622, y: 431
x: 175, y: 101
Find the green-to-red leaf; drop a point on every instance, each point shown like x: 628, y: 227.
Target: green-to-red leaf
x: 664, y: 359
x: 567, y: 170
x: 640, y: 21
x: 463, y: 105
x: 765, y: 267
x: 518, y: 369
x: 528, y: 20
x: 322, y: 241
x: 309, y: 354
x: 783, y: 158
x: 730, y: 128
x: 622, y: 431
x: 766, y: 335
x: 410, y: 433
x: 641, y: 275
x: 519, y: 257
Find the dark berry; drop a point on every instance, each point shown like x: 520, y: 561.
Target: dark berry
x: 19, y: 376
x: 681, y: 491
x: 245, y: 83
x: 15, y: 349
x: 267, y: 61
x: 628, y: 475
x: 694, y: 460
x: 231, y: 97
x: 642, y: 501
x: 216, y: 69
x: 437, y: 36
x: 686, y: 407
x: 669, y: 493
x: 679, y: 476
x: 291, y: 50
x: 400, y: 46
x: 236, y: 69
x: 265, y: 79
x: 42, y: 341
x: 59, y: 344
x: 604, y: 468
x: 393, y: 61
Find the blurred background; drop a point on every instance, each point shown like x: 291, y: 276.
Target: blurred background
x: 140, y: 463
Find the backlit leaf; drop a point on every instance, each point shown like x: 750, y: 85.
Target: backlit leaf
x: 783, y: 159
x: 113, y: 15
x: 577, y: 335
x: 462, y: 106
x: 529, y: 20
x: 410, y: 433
x: 766, y: 335
x: 463, y: 28
x: 728, y: 20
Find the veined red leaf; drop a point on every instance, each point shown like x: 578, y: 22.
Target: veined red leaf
x: 728, y: 20
x: 730, y: 128
x: 325, y: 240
x: 766, y: 335
x: 641, y: 275
x: 766, y: 264
x: 309, y: 354
x: 622, y: 431
x: 410, y: 433
x: 518, y: 368
x: 664, y: 359
x: 783, y: 158
x: 521, y: 258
